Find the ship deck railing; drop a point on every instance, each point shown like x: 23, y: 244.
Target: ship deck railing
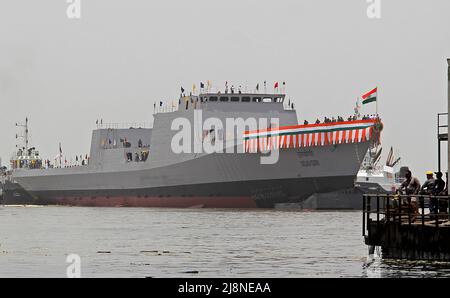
x: 405, y: 210
x: 165, y: 108
x: 125, y: 125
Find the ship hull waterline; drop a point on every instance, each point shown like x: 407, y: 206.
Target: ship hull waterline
x: 235, y: 181
x: 243, y: 194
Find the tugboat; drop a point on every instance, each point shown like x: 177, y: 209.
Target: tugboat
x: 25, y: 158
x: 372, y: 178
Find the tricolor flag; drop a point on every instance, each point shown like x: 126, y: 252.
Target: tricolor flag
x: 370, y: 96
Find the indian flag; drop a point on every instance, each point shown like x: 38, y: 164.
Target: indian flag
x: 370, y: 96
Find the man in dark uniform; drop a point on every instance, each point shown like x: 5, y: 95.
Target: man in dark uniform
x: 438, y: 190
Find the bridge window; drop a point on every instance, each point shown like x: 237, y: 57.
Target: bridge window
x: 267, y: 99
x: 235, y: 99
x: 213, y: 98
x: 256, y: 99
x: 245, y: 99
x: 278, y: 99
x: 223, y: 98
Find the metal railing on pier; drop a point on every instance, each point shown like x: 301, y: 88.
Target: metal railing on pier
x: 425, y: 210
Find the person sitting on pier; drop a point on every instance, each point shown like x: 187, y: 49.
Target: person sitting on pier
x: 411, y: 185
x: 427, y: 187
x: 306, y: 122
x: 317, y: 121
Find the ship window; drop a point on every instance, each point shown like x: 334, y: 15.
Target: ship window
x: 235, y: 99
x: 213, y: 98
x: 278, y: 99
x: 245, y: 99
x: 256, y: 99
x: 267, y: 99
x: 223, y: 98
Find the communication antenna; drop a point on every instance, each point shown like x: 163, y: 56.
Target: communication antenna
x: 24, y: 136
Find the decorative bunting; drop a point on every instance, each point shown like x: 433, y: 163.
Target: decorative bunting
x: 310, y: 135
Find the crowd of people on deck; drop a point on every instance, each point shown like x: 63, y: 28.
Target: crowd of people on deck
x: 341, y: 119
x: 138, y: 156
x: 78, y: 161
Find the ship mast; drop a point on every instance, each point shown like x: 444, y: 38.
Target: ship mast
x: 25, y: 136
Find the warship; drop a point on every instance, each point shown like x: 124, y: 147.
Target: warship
x: 138, y: 167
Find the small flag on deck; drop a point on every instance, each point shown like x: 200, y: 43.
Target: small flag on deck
x: 370, y: 96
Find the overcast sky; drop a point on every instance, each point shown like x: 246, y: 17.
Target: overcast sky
x: 122, y: 56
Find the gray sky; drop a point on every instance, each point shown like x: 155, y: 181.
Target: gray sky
x: 122, y: 56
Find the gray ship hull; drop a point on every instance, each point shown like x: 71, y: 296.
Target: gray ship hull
x: 14, y: 194
x: 214, y: 180
x: 239, y: 194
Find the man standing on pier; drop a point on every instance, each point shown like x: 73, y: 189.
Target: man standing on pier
x: 438, y: 190
x: 439, y: 184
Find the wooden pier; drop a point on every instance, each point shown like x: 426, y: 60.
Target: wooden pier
x: 404, y: 227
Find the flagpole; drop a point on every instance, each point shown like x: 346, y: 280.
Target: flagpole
x: 376, y: 115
